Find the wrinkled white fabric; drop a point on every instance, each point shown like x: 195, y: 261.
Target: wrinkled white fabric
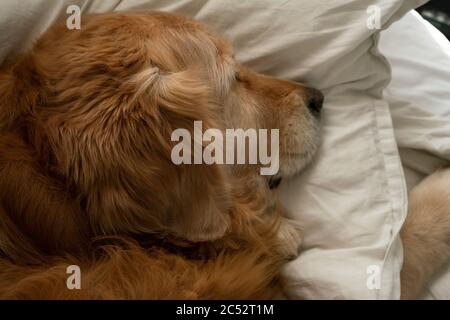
x: 419, y: 96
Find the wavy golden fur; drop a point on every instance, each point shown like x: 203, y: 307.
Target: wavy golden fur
x: 86, y: 176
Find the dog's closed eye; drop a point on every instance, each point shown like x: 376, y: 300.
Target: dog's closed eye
x: 274, y: 182
x: 237, y: 76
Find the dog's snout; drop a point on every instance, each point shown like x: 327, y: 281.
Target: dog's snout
x: 315, y: 101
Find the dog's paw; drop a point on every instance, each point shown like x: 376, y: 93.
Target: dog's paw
x: 290, y: 236
x: 426, y: 232
x: 433, y: 193
x: 429, y: 208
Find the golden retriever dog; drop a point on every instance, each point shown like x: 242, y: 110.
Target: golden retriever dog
x: 87, y: 179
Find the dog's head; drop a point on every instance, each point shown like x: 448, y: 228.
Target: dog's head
x: 99, y: 106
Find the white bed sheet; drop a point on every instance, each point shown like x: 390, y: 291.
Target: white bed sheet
x: 419, y: 97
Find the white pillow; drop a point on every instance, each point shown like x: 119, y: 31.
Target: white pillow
x: 419, y: 94
x: 419, y: 98
x: 352, y: 200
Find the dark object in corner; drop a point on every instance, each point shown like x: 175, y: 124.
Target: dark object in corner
x: 437, y: 12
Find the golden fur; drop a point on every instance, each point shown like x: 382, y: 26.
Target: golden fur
x: 86, y: 176
x: 426, y: 233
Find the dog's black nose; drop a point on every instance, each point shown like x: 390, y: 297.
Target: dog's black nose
x: 315, y: 101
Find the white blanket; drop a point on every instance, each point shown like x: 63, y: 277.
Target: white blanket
x: 419, y: 97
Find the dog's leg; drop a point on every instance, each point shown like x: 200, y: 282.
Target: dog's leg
x: 426, y: 233
x: 40, y: 209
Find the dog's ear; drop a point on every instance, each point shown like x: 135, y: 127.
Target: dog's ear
x: 198, y: 202
x: 201, y: 198
x: 120, y: 161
